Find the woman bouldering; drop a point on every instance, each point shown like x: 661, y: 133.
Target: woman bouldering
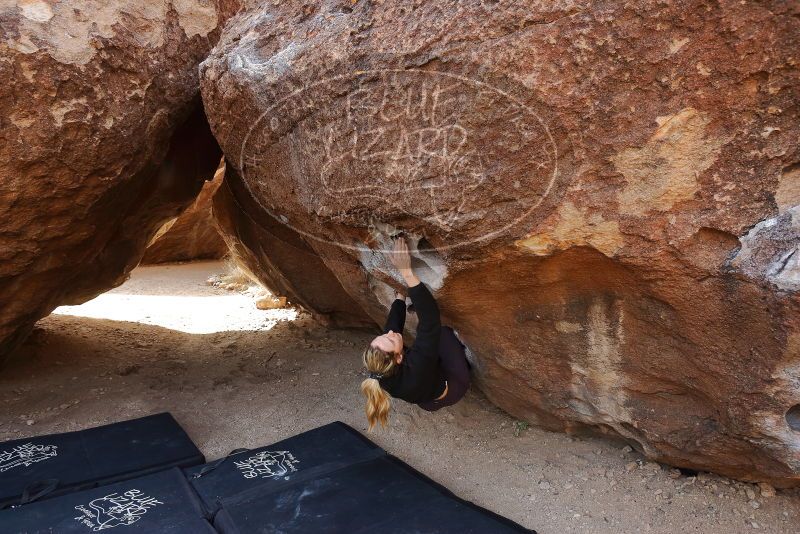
x: 432, y: 373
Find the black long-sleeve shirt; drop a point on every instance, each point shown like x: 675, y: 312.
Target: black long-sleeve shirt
x: 419, y: 377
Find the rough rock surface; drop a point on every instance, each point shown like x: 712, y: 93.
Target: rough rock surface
x: 281, y: 259
x: 102, y: 140
x: 193, y: 235
x: 603, y: 194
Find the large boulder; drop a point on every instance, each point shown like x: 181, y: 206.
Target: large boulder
x: 603, y: 195
x: 103, y: 140
x: 193, y: 235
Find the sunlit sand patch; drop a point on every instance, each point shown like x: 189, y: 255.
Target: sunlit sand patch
x: 190, y: 314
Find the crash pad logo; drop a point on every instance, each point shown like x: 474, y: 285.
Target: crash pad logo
x: 116, y: 510
x: 268, y: 464
x: 25, y: 455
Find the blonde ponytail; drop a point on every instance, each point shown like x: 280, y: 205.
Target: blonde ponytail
x: 382, y: 363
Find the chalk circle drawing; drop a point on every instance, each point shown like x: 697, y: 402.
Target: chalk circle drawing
x: 26, y: 455
x: 116, y: 510
x: 268, y: 464
x: 443, y: 149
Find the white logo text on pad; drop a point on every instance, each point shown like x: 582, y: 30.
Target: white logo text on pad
x: 115, y: 510
x: 25, y: 455
x: 267, y: 464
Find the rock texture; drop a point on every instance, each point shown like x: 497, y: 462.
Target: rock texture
x: 103, y: 141
x: 280, y: 258
x: 604, y: 197
x: 192, y: 235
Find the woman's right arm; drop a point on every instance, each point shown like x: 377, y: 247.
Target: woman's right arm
x: 430, y: 325
x: 429, y: 328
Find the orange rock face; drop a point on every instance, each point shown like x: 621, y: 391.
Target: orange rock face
x: 603, y: 196
x: 193, y: 235
x: 103, y: 141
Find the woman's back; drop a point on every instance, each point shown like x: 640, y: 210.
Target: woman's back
x: 418, y: 378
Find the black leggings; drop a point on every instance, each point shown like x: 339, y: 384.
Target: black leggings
x: 453, y: 360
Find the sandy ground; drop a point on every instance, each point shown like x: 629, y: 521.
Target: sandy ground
x: 235, y: 376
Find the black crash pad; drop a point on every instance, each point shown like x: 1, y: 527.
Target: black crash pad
x: 335, y: 443
x: 332, y: 479
x: 374, y: 493
x: 161, y: 503
x: 84, y: 459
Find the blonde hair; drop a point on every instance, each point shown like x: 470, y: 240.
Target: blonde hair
x: 378, y: 401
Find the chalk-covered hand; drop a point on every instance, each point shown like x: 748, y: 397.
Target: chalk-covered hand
x: 400, y: 257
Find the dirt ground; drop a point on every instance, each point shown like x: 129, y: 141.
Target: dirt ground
x: 235, y: 376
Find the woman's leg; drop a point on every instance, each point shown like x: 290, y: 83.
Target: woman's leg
x: 455, y: 367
